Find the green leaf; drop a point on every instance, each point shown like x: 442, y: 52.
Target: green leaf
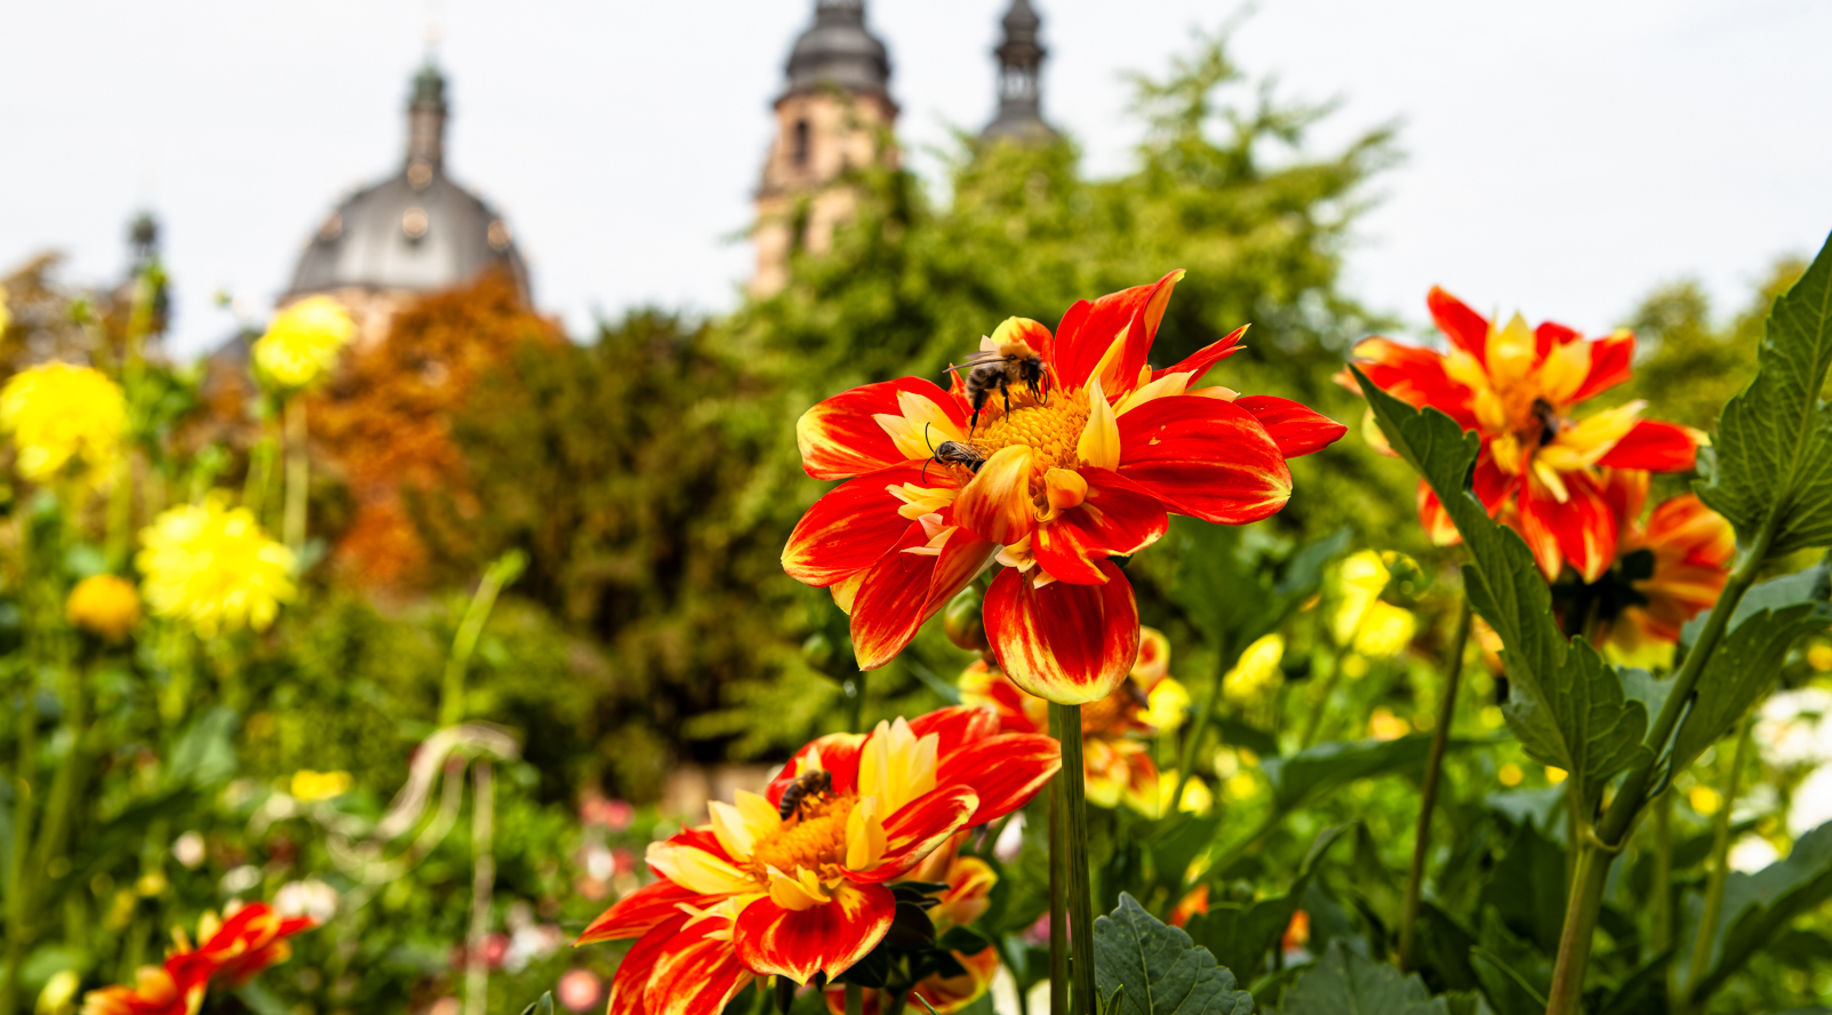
x: 1530, y: 859
x: 542, y: 1007
x: 1770, y: 467
x: 1740, y: 670
x: 205, y: 753
x: 1759, y: 906
x: 1240, y: 936
x: 1568, y: 709
x: 1314, y: 771
x: 1345, y: 983
x: 1149, y: 968
x: 1814, y: 585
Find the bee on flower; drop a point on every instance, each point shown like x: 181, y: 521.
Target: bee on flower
x: 757, y: 894
x: 105, y: 605
x: 1080, y: 467
x: 211, y: 566
x: 302, y: 343
x: 64, y: 419
x: 1116, y: 730
x: 1518, y: 388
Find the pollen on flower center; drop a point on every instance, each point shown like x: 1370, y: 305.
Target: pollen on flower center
x: 1049, y: 427
x: 814, y: 841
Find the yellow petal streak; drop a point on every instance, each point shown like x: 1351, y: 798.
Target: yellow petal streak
x: 896, y: 766
x: 1099, y: 444
x: 697, y: 870
x: 865, y: 840
x: 919, y: 427
x: 802, y: 890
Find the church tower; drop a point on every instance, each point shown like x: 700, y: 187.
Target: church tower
x: 831, y: 118
x: 1020, y: 56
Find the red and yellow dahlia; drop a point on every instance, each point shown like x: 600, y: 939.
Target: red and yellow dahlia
x: 230, y: 950
x: 1517, y: 387
x: 1116, y: 759
x: 1051, y: 480
x: 757, y: 894
x: 1667, y: 570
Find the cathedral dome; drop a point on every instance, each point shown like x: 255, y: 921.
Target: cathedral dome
x: 417, y: 230
x: 837, y: 51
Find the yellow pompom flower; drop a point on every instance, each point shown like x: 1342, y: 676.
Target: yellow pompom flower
x: 1364, y: 621
x: 105, y: 605
x: 310, y: 786
x: 302, y: 342
x: 211, y: 566
x: 1256, y: 675
x: 62, y: 415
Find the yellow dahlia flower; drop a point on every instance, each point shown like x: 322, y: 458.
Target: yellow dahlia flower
x: 211, y: 565
x: 105, y: 605
x: 60, y: 414
x: 302, y: 342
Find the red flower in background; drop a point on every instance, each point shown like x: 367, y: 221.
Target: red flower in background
x: 252, y: 938
x: 1080, y: 462
x: 1668, y: 569
x: 758, y: 894
x: 1537, y: 470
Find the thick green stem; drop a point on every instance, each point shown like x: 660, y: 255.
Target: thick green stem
x: 298, y: 473
x: 1059, y: 890
x: 1428, y: 793
x: 1720, y: 870
x: 855, y: 999
x: 1081, y: 895
x: 1581, y: 907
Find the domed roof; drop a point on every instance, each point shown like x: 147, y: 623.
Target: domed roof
x: 837, y: 51
x: 416, y: 230
x: 1020, y: 113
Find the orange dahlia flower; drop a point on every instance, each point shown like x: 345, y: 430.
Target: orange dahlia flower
x: 1116, y: 757
x: 155, y: 991
x: 758, y: 894
x: 969, y: 880
x: 1077, y: 457
x: 231, y: 950
x: 1517, y: 387
x: 1667, y: 570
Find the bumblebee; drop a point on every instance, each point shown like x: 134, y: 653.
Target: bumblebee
x: 1012, y: 365
x: 807, y: 784
x: 955, y: 453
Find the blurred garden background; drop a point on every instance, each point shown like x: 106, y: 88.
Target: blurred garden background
x: 534, y: 612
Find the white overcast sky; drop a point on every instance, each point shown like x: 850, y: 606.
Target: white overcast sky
x: 1562, y: 156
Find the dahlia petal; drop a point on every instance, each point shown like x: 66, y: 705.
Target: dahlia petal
x: 904, y: 589
x: 918, y: 828
x: 1005, y: 771
x: 1023, y: 329
x: 956, y: 726
x: 996, y: 503
x: 1654, y: 446
x: 1418, y: 377
x: 1611, y: 362
x: 1466, y: 329
x: 1205, y: 458
x: 696, y: 869
x: 1197, y: 364
x: 849, y: 529
x: 638, y: 912
x: 638, y: 967
x: 1296, y: 428
x: 832, y: 938
x: 1111, y: 335
x: 698, y: 973
x: 1625, y: 491
x: 841, y: 437
x: 1581, y: 529
x: 1116, y: 517
x: 1099, y: 444
x: 1703, y: 537
x: 1071, y: 644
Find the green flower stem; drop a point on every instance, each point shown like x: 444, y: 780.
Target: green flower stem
x: 16, y: 883
x: 298, y: 473
x: 1059, y: 895
x: 855, y: 999
x: 1599, y: 848
x: 1081, y: 895
x: 1428, y: 794
x: 500, y: 573
x: 1720, y: 871
x: 1663, y: 882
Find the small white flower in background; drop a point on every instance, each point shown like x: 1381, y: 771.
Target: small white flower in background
x: 1794, y: 728
x: 1011, y: 840
x: 241, y: 879
x: 188, y: 850
x: 1811, y: 805
x: 1751, y: 853
x: 310, y: 897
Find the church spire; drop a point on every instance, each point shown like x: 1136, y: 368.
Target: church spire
x: 1020, y: 56
x: 426, y: 112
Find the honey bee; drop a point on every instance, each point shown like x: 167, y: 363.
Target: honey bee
x: 955, y: 453
x: 1012, y: 365
x: 1549, y: 422
x: 807, y: 784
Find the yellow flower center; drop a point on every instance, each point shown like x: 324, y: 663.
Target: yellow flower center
x: 815, y: 841
x: 1050, y: 428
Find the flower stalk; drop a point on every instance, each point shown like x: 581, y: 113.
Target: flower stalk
x: 1059, y: 892
x: 1428, y: 794
x: 1720, y: 871
x: 298, y: 473
x: 1080, y: 888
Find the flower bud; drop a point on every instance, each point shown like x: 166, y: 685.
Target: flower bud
x: 962, y: 621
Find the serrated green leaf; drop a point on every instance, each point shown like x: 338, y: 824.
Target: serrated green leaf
x: 1240, y: 936
x: 1759, y: 906
x: 1345, y: 983
x: 1771, y: 465
x: 1813, y: 585
x: 1568, y: 709
x: 1151, y: 968
x: 1740, y: 670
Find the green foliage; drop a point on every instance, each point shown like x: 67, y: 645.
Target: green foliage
x: 1740, y: 671
x: 1240, y: 936
x: 1567, y: 707
x: 1346, y: 983
x: 1143, y: 967
x: 1770, y: 471
x: 1757, y: 907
